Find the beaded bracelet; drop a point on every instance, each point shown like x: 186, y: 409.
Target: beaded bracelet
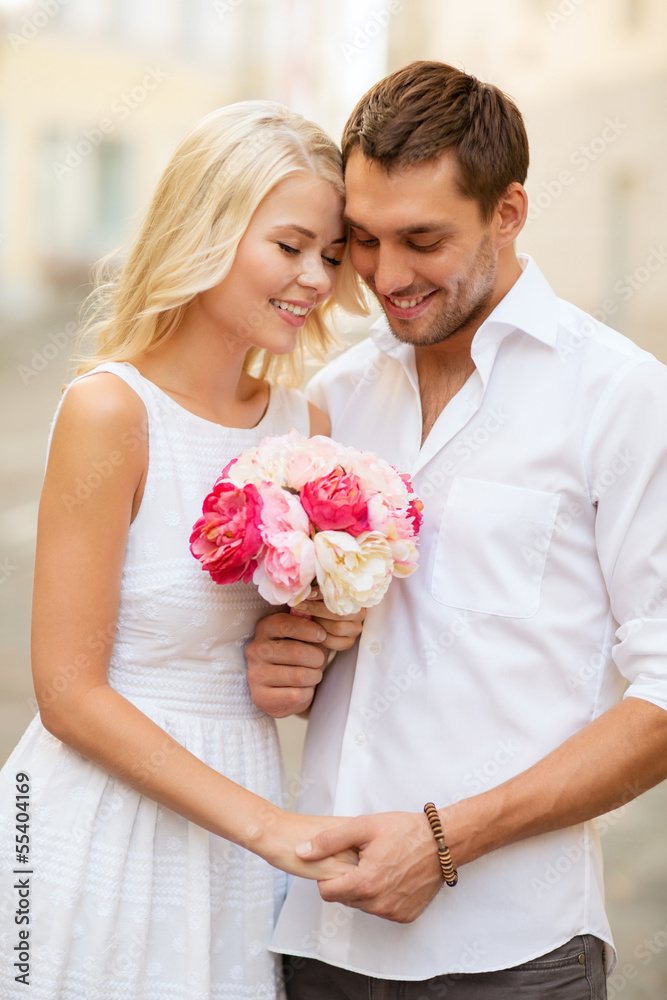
x: 449, y: 872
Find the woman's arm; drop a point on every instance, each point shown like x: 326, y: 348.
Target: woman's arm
x: 92, y: 489
x: 319, y: 421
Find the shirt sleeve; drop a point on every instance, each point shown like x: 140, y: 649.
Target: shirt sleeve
x: 626, y: 462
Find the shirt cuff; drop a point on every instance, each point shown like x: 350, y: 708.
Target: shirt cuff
x: 641, y: 656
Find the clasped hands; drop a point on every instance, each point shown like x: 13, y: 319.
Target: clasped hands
x: 398, y: 872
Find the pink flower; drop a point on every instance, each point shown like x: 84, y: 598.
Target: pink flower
x: 415, y: 507
x: 225, y: 472
x: 311, y: 459
x: 336, y: 503
x: 287, y: 568
x: 293, y: 510
x: 227, y: 538
x: 377, y: 476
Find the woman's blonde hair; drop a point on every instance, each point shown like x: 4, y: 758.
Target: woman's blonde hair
x: 219, y: 174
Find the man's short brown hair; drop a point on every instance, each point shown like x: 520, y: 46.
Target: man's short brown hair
x: 428, y: 108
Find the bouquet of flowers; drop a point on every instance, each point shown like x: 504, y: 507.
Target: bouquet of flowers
x: 295, y: 512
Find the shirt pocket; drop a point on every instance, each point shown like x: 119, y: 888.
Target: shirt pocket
x: 486, y: 558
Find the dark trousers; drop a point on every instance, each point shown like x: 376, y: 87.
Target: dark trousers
x: 574, y: 971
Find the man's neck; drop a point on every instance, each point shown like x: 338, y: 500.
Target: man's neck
x: 444, y: 368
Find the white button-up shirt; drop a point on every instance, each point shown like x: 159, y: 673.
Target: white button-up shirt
x: 540, y: 599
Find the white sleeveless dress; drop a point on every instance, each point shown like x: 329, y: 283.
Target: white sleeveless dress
x: 128, y: 900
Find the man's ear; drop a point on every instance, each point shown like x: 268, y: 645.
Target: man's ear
x: 511, y: 214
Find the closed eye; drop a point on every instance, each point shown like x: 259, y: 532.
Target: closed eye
x: 370, y: 242
x: 425, y: 249
x: 332, y: 261
x: 288, y: 249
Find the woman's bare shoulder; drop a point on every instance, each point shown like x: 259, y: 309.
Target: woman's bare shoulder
x: 100, y: 416
x: 101, y: 398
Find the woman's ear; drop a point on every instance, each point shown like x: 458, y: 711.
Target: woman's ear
x: 511, y: 214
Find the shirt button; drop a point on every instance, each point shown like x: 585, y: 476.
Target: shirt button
x: 375, y: 646
x: 403, y: 467
x: 360, y: 739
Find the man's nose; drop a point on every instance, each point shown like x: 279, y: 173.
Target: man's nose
x: 393, y: 271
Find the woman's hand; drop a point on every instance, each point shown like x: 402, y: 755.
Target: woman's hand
x: 342, y: 630
x: 283, y: 832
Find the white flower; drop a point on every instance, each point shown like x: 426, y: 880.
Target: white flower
x: 352, y: 573
x: 267, y: 462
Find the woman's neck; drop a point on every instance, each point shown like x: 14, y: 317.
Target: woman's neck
x: 202, y: 369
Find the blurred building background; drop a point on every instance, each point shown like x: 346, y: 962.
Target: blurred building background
x: 95, y: 94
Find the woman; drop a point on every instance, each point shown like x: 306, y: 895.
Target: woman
x: 151, y: 770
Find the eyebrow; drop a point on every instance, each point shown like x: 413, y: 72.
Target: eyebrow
x: 308, y: 233
x: 434, y: 227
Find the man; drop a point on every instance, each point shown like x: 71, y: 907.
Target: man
x: 491, y: 681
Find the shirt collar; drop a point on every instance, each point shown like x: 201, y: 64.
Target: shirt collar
x: 530, y: 305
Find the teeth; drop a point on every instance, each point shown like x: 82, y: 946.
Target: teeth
x: 290, y: 307
x: 408, y: 303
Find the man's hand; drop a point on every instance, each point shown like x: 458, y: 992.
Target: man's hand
x: 398, y: 873
x: 342, y: 630
x: 287, y: 657
x: 285, y: 663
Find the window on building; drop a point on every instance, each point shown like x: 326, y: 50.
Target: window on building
x: 111, y: 194
x: 84, y: 202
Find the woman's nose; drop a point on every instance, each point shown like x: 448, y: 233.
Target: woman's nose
x: 315, y: 274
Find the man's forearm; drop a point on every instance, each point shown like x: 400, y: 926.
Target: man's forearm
x: 607, y: 763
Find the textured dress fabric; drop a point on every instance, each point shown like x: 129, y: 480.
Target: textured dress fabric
x: 128, y: 899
